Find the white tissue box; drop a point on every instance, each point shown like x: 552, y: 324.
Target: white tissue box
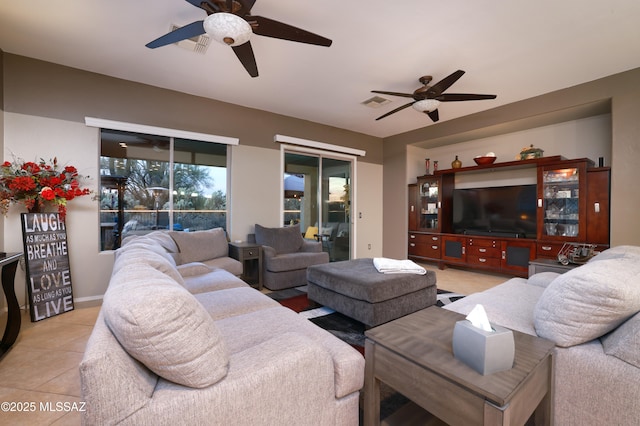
x: 485, y: 351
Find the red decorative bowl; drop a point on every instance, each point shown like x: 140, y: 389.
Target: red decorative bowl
x: 483, y: 161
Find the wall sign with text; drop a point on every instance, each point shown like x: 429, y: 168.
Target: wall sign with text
x: 46, y: 256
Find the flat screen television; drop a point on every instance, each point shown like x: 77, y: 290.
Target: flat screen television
x: 506, y: 211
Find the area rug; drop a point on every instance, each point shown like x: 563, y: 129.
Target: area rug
x: 341, y: 326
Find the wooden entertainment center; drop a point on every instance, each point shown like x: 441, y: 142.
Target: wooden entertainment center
x: 571, y: 206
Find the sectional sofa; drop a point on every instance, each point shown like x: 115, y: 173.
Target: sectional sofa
x: 592, y: 314
x: 192, y: 344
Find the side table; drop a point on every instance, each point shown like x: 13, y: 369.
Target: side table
x: 250, y: 255
x: 549, y: 265
x: 414, y: 355
x: 9, y: 263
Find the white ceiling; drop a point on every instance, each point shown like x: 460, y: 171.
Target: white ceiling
x: 515, y: 49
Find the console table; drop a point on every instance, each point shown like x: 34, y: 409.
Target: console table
x: 414, y: 355
x: 9, y: 263
x: 549, y: 265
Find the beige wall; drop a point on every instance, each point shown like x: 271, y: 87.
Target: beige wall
x: 44, y: 117
x: 618, y: 95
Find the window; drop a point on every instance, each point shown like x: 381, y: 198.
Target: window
x: 151, y: 182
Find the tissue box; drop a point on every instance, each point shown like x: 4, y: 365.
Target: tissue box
x: 484, y: 351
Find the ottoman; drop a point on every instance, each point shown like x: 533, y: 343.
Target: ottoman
x: 356, y: 289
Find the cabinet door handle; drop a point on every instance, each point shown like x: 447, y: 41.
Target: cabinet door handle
x: 439, y: 204
x: 250, y: 253
x: 412, y: 236
x: 504, y: 255
x: 413, y: 208
x: 412, y: 245
x: 434, y: 238
x: 482, y: 250
x: 539, y: 202
x: 596, y: 207
x: 434, y: 247
x: 463, y: 250
x: 482, y: 260
x: 546, y: 248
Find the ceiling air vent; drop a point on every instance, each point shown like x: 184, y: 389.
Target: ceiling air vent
x: 198, y: 44
x: 376, y: 102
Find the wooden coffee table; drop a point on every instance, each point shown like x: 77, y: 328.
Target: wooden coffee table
x: 414, y: 355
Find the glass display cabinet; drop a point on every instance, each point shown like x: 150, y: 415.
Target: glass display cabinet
x: 428, y: 203
x: 562, y: 202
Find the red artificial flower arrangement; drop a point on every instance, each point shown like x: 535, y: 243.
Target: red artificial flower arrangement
x: 35, y: 184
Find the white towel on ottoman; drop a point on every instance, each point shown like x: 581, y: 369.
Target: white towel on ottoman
x: 394, y: 266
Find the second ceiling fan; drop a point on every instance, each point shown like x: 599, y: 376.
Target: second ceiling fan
x: 427, y: 98
x: 230, y: 22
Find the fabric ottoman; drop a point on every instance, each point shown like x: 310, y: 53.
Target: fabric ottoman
x: 356, y: 289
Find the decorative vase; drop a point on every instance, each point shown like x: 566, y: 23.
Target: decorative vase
x: 435, y: 166
x: 427, y: 166
x: 456, y: 164
x: 38, y: 207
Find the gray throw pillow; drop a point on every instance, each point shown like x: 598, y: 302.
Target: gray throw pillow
x: 624, y: 341
x: 201, y: 245
x: 589, y: 301
x: 283, y: 240
x: 163, y: 326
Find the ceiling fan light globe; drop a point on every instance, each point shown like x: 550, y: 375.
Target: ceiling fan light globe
x: 426, y: 105
x: 227, y: 28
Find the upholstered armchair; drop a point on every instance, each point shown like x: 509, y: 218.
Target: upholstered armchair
x: 286, y: 256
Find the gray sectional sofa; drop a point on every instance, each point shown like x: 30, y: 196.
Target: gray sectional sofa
x: 191, y: 344
x: 592, y: 314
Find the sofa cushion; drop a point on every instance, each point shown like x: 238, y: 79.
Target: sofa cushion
x: 589, y: 301
x: 201, y: 245
x: 134, y: 254
x: 165, y: 328
x: 194, y: 268
x: 624, y: 341
x: 295, y: 261
x: 283, y: 240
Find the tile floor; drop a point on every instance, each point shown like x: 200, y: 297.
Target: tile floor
x: 42, y: 366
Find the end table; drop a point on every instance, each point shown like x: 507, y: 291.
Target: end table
x: 250, y: 255
x: 414, y: 355
x: 8, y: 265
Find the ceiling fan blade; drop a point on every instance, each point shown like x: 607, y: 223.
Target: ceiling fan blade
x: 404, y: 95
x: 270, y: 28
x: 194, y: 29
x: 207, y: 6
x: 244, y: 52
x: 453, y: 97
x: 433, y: 115
x: 444, y: 84
x: 395, y: 110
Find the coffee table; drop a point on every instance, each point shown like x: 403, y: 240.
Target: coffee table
x: 414, y: 355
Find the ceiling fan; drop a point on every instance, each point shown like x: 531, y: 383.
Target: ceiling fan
x: 230, y: 22
x: 427, y: 98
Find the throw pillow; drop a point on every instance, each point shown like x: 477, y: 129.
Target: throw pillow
x: 165, y: 328
x: 283, y: 240
x: 201, y: 245
x: 588, y: 302
x: 624, y: 341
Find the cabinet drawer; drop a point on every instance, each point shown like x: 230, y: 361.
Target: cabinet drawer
x: 489, y: 252
x: 484, y: 261
x: 424, y: 238
x: 424, y: 250
x: 548, y: 250
x: 479, y: 242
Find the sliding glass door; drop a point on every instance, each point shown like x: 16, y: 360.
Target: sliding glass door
x: 317, y: 195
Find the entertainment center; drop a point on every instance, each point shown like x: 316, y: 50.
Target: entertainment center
x: 501, y: 228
